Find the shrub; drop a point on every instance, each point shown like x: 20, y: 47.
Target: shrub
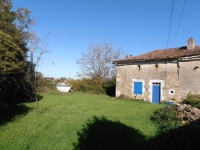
x: 44, y: 85
x: 193, y: 100
x: 166, y: 118
x: 94, y: 85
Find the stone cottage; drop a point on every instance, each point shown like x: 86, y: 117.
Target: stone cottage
x: 167, y: 74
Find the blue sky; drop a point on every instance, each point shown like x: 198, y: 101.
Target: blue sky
x: 136, y: 26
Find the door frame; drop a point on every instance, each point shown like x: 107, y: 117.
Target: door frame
x: 161, y: 82
x: 156, y: 92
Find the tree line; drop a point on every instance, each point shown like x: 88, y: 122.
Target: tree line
x: 17, y: 46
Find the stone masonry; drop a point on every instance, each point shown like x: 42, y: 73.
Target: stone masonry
x: 177, y: 79
x: 165, y: 72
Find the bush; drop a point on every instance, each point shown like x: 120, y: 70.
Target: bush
x: 44, y: 85
x: 166, y: 118
x: 193, y: 100
x: 94, y: 85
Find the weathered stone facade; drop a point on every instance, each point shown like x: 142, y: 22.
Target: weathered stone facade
x: 176, y: 78
x: 189, y: 76
x: 160, y: 75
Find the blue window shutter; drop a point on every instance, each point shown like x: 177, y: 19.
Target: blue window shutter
x: 137, y: 88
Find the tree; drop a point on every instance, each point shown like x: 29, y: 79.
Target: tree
x: 97, y: 62
x: 37, y: 49
x: 11, y: 56
x: 17, y: 40
x: 11, y: 22
x: 11, y: 65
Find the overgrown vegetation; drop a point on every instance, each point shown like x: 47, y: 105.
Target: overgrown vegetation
x: 44, y: 85
x: 172, y: 134
x: 94, y: 85
x: 193, y: 100
x: 17, y: 40
x: 166, y: 118
x: 13, y: 52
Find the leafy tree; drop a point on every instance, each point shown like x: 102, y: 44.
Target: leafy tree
x: 11, y: 56
x: 97, y: 62
x: 16, y: 39
x: 12, y: 65
x: 12, y: 23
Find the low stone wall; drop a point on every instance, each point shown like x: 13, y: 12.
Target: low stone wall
x: 187, y: 113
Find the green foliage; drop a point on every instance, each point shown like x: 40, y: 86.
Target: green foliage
x: 94, y: 85
x: 44, y: 85
x: 166, y: 118
x: 12, y: 68
x: 11, y: 56
x: 193, y: 100
x: 8, y: 24
x: 87, y: 85
x: 13, y: 49
x: 8, y: 84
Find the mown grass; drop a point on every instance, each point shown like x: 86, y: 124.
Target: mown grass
x: 61, y: 116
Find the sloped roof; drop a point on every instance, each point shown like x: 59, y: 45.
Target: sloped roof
x: 171, y: 53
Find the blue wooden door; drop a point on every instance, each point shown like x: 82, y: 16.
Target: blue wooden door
x: 156, y: 93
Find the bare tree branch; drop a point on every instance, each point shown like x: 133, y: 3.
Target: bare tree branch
x: 97, y: 61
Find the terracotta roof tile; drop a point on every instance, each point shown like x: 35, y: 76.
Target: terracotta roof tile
x: 164, y: 54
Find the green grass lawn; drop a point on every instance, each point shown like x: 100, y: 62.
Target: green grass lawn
x: 61, y: 117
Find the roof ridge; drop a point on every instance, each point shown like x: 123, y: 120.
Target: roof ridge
x: 170, y: 53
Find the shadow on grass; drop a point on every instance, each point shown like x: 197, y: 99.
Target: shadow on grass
x: 28, y: 99
x: 9, y: 110
x: 103, y: 134
x: 183, y: 138
x: 13, y: 110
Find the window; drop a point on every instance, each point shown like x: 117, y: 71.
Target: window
x: 137, y: 88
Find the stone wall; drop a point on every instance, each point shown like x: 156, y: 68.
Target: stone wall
x: 164, y: 72
x: 172, y: 83
x: 189, y: 77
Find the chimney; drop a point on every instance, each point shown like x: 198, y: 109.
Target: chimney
x: 190, y: 43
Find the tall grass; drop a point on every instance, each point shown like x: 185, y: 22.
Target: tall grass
x: 61, y: 116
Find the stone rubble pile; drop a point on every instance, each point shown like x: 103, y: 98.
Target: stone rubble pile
x: 187, y: 113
